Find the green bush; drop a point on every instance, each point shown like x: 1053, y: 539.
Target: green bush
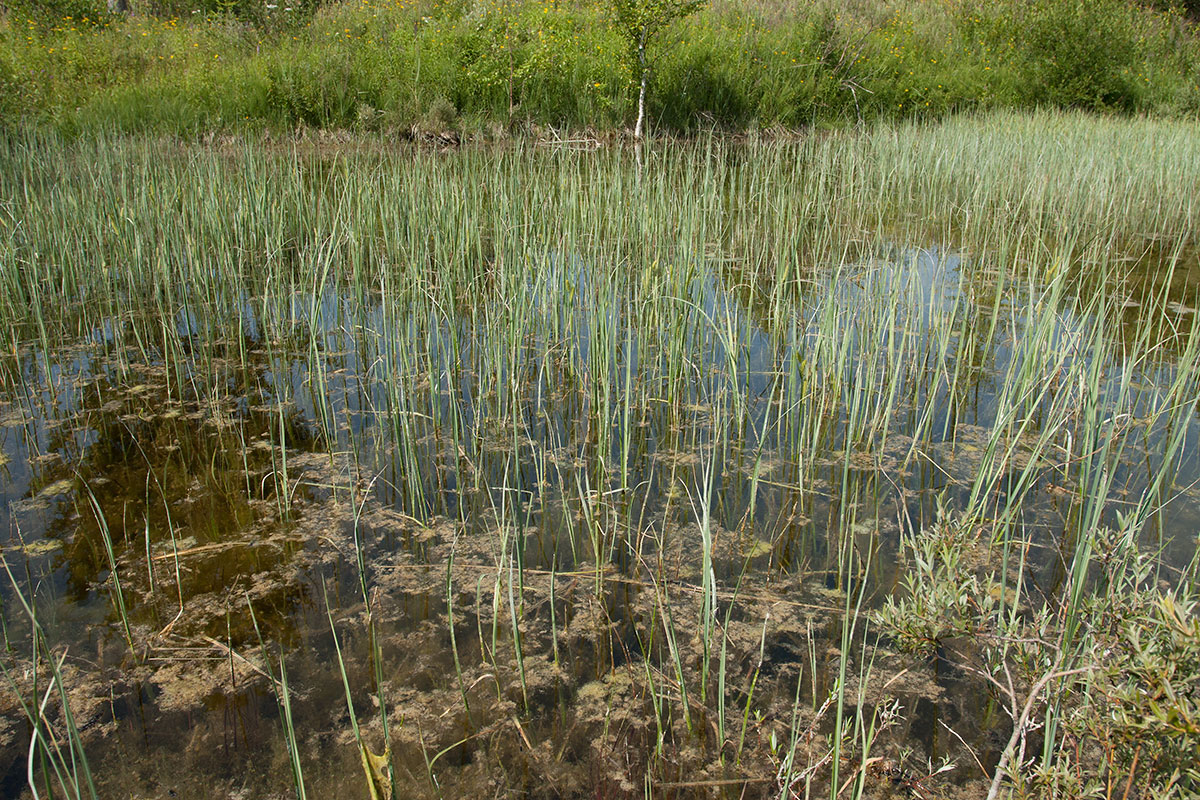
x: 1084, y: 53
x: 704, y: 81
x: 1128, y: 655
x: 315, y: 86
x: 11, y: 90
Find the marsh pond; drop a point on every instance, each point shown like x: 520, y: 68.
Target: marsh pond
x: 858, y: 464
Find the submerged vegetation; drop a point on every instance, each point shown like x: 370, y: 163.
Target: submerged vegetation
x: 495, y: 67
x: 857, y: 464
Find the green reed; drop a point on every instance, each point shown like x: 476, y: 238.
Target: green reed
x: 66, y: 763
x: 283, y: 704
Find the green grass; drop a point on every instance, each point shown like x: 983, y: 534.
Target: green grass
x: 493, y: 68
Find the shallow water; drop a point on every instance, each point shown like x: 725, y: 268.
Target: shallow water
x: 501, y: 510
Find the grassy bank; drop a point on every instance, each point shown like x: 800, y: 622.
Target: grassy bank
x: 495, y: 67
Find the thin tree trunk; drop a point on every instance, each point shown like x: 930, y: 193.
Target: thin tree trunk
x: 639, y: 128
x: 641, y: 118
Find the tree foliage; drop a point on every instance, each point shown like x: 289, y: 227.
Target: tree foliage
x: 638, y: 21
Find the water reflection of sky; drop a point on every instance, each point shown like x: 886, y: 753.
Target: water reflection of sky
x: 410, y: 382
